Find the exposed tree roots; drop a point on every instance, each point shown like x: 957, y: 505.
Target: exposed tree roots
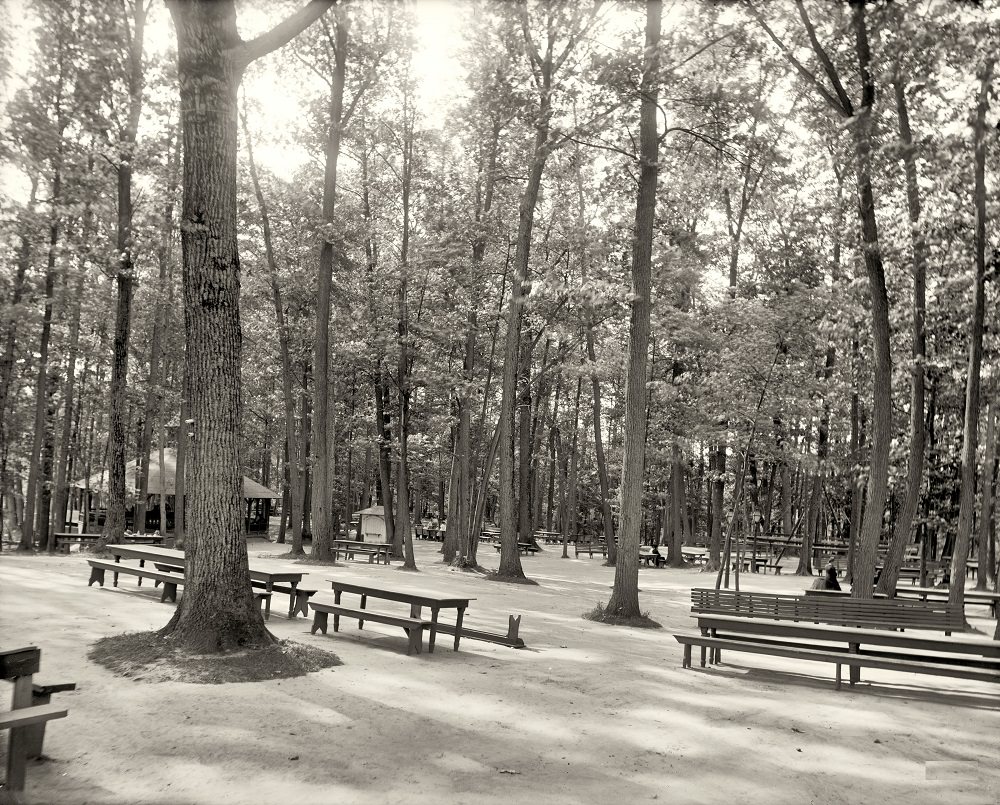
x: 149, y: 657
x: 603, y: 615
x: 510, y: 579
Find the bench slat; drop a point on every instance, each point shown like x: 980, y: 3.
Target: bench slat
x: 414, y: 627
x: 26, y: 716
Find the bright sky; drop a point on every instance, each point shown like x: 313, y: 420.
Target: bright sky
x: 438, y: 37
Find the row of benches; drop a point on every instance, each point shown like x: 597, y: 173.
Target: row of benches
x: 833, y: 629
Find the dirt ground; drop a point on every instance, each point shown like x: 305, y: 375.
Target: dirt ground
x: 588, y: 713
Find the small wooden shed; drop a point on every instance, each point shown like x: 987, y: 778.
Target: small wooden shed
x: 372, y: 523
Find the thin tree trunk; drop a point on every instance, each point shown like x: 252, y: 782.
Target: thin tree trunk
x: 293, y: 455
x: 986, y: 567
x: 28, y: 535
x: 970, y: 434
x: 65, y: 443
x: 322, y: 526
x: 624, y: 602
x: 915, y: 455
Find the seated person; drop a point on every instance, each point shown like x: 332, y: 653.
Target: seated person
x: 828, y: 581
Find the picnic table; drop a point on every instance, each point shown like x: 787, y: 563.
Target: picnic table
x: 64, y: 539
x: 259, y: 572
x: 380, y: 551
x: 416, y: 598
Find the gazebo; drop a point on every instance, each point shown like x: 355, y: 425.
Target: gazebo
x: 258, y: 497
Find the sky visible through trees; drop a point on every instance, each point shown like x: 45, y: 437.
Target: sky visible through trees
x: 466, y: 179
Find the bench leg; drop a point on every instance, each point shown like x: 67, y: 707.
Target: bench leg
x: 686, y: 663
x: 319, y: 622
x: 36, y: 732
x: 19, y: 738
x: 838, y: 676
x: 300, y: 604
x: 96, y: 574
x: 169, y: 592
x: 415, y: 635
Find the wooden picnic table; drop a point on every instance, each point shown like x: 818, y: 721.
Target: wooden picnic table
x: 63, y: 539
x: 382, y: 550
x: 174, y: 558
x: 417, y: 599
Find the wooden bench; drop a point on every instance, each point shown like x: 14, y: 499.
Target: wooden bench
x: 589, y: 548
x: 878, y: 613
x: 966, y: 658
x: 28, y: 715
x: 170, y: 580
x: 414, y: 627
x: 522, y: 547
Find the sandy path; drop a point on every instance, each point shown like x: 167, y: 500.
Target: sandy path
x: 589, y: 713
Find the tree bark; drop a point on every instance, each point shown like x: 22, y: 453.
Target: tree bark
x: 217, y: 611
x: 986, y: 567
x: 624, y: 602
x: 918, y: 244
x: 970, y: 435
x: 293, y: 459
x: 322, y: 431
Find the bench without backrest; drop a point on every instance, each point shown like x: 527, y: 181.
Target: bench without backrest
x: 879, y: 613
x: 28, y: 716
x: 414, y: 627
x: 170, y: 581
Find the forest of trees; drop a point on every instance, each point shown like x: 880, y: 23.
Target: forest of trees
x: 649, y: 271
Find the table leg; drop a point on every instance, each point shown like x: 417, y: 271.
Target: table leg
x: 458, y: 626
x: 292, y: 598
x: 364, y: 602
x: 434, y: 628
x: 142, y: 563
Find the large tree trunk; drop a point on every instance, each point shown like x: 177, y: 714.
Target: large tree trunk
x: 915, y: 470
x: 624, y: 602
x: 970, y: 435
x: 322, y: 477
x: 217, y: 611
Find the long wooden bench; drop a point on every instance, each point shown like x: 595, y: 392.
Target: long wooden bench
x: 879, y: 613
x: 522, y: 547
x: 837, y: 657
x: 414, y: 627
x: 28, y: 715
x: 961, y: 657
x: 170, y: 580
x: 589, y: 548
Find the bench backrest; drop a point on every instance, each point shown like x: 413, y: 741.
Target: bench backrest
x: 20, y: 662
x: 840, y: 610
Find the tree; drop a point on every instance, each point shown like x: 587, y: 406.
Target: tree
x: 970, y: 431
x: 217, y: 611
x: 624, y: 602
x: 858, y: 118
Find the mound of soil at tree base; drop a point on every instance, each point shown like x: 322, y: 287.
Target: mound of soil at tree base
x: 148, y: 657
